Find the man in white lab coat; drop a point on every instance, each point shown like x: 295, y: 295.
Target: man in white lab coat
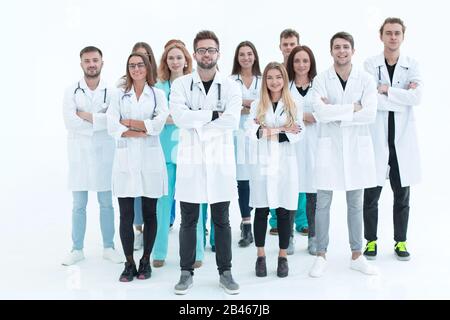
x: 91, y: 152
x: 345, y: 104
x: 206, y: 107
x: 394, y: 135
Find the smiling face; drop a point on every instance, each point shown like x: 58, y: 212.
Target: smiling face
x: 342, y: 52
x: 392, y: 36
x: 246, y: 57
x: 206, y: 54
x: 91, y: 63
x: 176, y: 60
x: 136, y: 66
x: 302, y: 63
x: 274, y: 80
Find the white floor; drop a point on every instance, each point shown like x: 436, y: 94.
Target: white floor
x: 35, y: 236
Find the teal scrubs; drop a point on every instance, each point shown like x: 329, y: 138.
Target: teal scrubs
x: 300, y: 217
x: 169, y: 142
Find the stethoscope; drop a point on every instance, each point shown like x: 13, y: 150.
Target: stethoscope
x: 80, y: 88
x: 128, y: 95
x: 242, y: 82
x: 219, y: 94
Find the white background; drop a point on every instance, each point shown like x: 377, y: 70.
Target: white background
x: 41, y: 41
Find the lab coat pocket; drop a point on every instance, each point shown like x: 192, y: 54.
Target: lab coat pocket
x: 122, y: 159
x: 74, y: 151
x: 324, y: 152
x: 153, y: 158
x: 365, y: 149
x: 121, y: 155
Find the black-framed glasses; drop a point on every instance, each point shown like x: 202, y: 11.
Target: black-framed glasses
x: 139, y: 65
x: 210, y: 50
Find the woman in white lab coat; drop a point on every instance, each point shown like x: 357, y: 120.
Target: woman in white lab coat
x: 275, y: 122
x: 135, y: 119
x: 247, y: 73
x: 301, y: 69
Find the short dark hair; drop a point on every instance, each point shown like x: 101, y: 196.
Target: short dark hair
x: 290, y: 63
x: 287, y: 33
x: 392, y: 20
x: 204, y: 35
x: 342, y: 35
x: 91, y: 49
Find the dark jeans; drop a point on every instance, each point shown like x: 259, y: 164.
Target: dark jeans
x: 188, y: 235
x: 284, y: 229
x: 401, y: 204
x: 244, y: 198
x: 311, y: 200
x: 126, y: 207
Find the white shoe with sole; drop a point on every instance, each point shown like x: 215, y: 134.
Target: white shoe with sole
x: 112, y: 255
x: 362, y: 265
x: 318, y: 268
x: 73, y: 257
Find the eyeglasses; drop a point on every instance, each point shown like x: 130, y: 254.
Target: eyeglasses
x: 210, y: 50
x: 139, y: 65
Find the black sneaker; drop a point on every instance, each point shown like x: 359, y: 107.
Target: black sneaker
x: 283, y: 268
x: 371, y: 250
x: 145, y: 270
x: 128, y: 273
x: 401, y: 252
x: 260, y: 267
x: 273, y: 231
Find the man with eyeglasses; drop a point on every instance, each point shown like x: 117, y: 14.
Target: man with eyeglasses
x: 206, y: 107
x: 91, y: 152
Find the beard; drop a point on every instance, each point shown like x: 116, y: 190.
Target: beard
x: 95, y: 74
x: 207, y: 66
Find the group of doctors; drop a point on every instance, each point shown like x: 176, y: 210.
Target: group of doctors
x: 279, y: 142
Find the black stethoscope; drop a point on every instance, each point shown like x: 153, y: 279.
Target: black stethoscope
x: 219, y: 94
x: 242, y: 82
x: 80, y: 88
x: 379, y: 73
x: 127, y: 94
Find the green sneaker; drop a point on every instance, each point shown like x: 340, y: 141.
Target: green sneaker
x: 371, y: 250
x: 401, y: 252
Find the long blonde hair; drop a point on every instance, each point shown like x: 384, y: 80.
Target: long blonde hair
x: 265, y: 102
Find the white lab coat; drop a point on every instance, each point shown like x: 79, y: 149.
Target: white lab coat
x: 90, y: 148
x: 206, y: 169
x: 401, y: 101
x: 139, y: 168
x: 306, y: 147
x: 344, y: 155
x: 245, y: 147
x: 274, y: 175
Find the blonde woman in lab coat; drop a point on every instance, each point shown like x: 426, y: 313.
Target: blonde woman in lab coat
x: 275, y: 122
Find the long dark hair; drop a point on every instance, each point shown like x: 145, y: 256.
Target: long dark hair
x: 150, y: 78
x: 256, y: 70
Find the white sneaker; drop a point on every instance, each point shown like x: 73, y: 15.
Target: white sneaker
x: 112, y: 255
x: 363, y: 266
x: 318, y: 267
x: 138, y: 240
x: 73, y: 257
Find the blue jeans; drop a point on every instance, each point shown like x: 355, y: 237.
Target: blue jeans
x: 80, y: 199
